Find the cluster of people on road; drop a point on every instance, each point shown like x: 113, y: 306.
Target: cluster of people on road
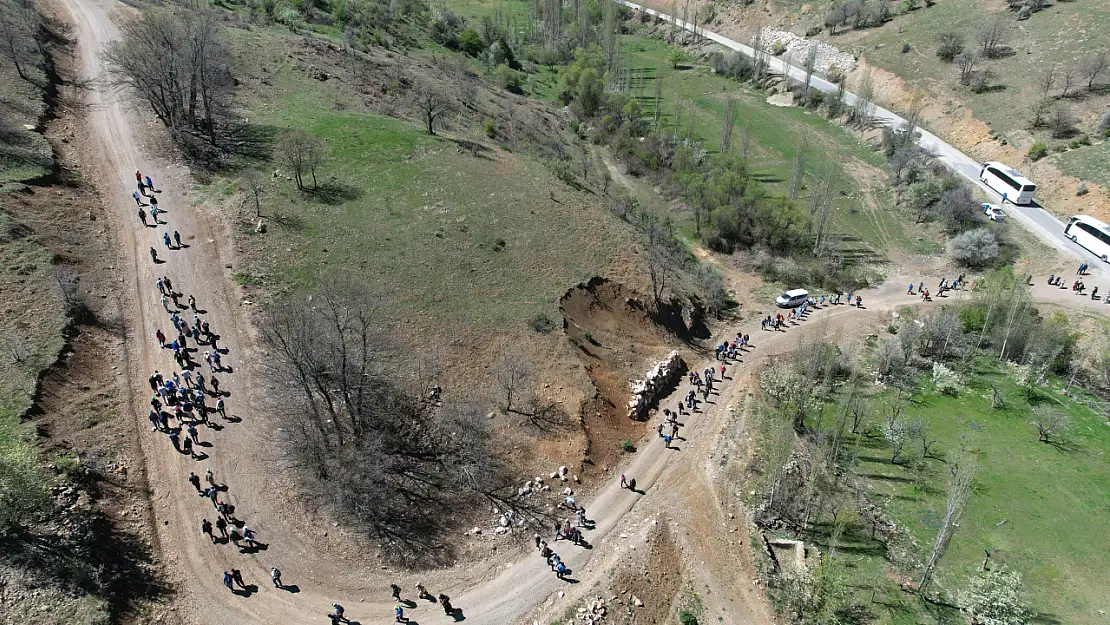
x: 1078, y: 286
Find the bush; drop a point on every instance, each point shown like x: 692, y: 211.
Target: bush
x: 444, y: 28
x: 778, y: 48
x: 1038, y: 150
x: 1104, y: 124
x: 470, y: 42
x: 542, y: 323
x: 490, y: 128
x: 509, y: 78
x: 628, y: 446
x: 946, y: 381
x: 1081, y: 189
x: 974, y: 248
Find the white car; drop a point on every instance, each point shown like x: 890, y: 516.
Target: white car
x: 993, y: 212
x: 793, y: 298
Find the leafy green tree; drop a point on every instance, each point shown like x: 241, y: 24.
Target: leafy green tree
x: 470, y: 42
x: 676, y: 57
x: 995, y: 598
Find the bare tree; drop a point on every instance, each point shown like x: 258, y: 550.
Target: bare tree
x: 514, y: 375
x: 864, y: 109
x: 254, y: 184
x: 745, y: 140
x: 1093, y: 66
x: 1068, y: 78
x: 175, y: 61
x: 660, y: 259
x: 924, y: 434
x: 302, y: 154
x: 432, y: 104
x: 798, y: 169
x: 1050, y: 423
x: 810, y: 65
x: 728, y: 123
x: 962, y: 470
x: 1062, y: 122
x: 895, y: 431
x: 966, y: 62
x: 1040, y: 110
x: 950, y: 45
x: 21, y: 31
x: 384, y: 450
x: 992, y: 37
x: 1046, y: 80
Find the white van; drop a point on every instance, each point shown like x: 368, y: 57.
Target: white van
x: 1007, y: 182
x: 791, y: 299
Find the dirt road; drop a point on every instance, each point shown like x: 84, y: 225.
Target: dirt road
x: 319, y: 560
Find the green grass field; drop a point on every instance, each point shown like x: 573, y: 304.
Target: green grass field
x: 1041, y: 509
x: 470, y: 246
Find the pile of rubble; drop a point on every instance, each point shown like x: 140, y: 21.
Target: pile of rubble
x: 660, y: 380
x: 592, y: 613
x: 797, y: 48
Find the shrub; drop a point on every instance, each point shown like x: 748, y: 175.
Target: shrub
x: 946, y: 381
x: 444, y: 28
x: 1104, y: 124
x: 1038, y: 150
x: 974, y: 248
x: 470, y: 42
x: 542, y: 323
x: 490, y: 128
x: 1081, y: 189
x: 778, y: 48
x: 628, y: 446
x: 509, y: 78
x: 906, y: 47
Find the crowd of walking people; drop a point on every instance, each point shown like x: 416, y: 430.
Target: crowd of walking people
x: 184, y: 400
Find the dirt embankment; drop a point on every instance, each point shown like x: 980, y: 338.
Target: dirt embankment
x: 618, y: 337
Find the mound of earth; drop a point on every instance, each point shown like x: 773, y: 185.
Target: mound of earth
x: 618, y: 336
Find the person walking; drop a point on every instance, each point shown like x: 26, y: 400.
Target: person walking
x: 221, y: 526
x: 149, y: 184
x: 667, y: 441
x: 220, y: 406
x: 153, y: 202
x: 142, y: 215
x: 396, y: 592
x: 154, y: 255
x: 399, y: 614
x: 187, y: 376
x: 206, y: 528
x: 624, y: 481
x: 215, y: 386
x: 422, y: 592
x: 229, y: 581
x: 275, y: 575
x: 194, y: 479
x: 445, y: 601
x: 337, y: 610
x: 193, y: 303
x: 237, y: 575
x: 175, y: 438
x: 177, y: 238
x: 167, y: 241
x: 154, y: 212
x: 160, y: 337
x: 192, y: 430
x: 139, y: 200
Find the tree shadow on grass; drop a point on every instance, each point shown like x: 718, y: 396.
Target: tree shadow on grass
x: 288, y: 222
x: 477, y: 150
x: 249, y: 140
x: 333, y: 193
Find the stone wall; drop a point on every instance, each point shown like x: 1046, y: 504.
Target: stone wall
x: 661, y: 380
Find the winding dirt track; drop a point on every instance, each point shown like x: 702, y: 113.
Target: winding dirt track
x: 312, y: 557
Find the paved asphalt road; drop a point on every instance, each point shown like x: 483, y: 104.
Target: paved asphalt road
x: 1046, y: 226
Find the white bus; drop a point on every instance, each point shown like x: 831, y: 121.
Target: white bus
x: 1009, y: 183
x: 1091, y: 234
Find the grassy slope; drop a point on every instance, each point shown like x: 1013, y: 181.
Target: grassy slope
x: 24, y: 154
x: 1060, y: 35
x: 1040, y: 509
x: 862, y: 213
x: 466, y: 247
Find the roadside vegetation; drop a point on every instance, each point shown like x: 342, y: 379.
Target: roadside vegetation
x: 25, y: 80
x: 946, y: 464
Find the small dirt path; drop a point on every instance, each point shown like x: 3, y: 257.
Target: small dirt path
x: 320, y: 560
